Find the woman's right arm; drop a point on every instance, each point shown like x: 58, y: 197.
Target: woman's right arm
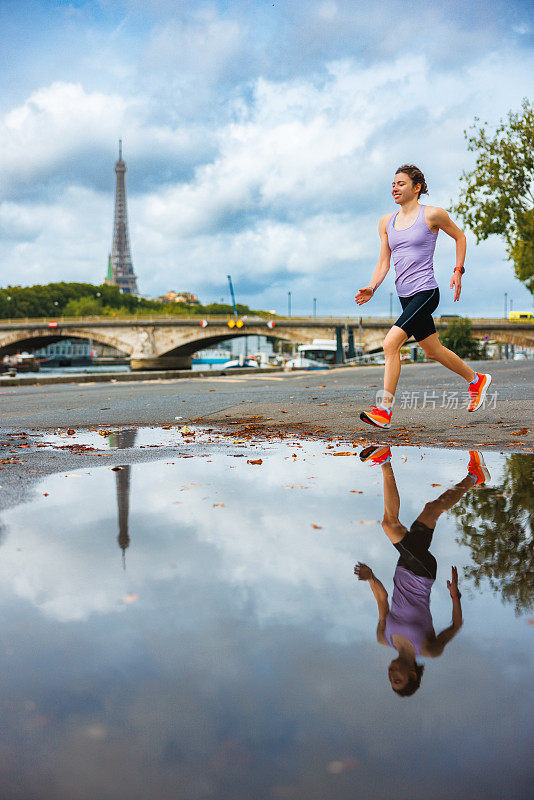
x: 382, y: 268
x: 436, y: 647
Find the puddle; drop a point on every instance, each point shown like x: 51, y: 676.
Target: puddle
x: 193, y: 628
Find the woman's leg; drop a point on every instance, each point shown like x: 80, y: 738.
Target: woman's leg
x: 391, y: 524
x: 435, y: 508
x: 437, y: 352
x: 392, y: 345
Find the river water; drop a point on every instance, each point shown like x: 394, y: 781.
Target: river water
x: 193, y: 628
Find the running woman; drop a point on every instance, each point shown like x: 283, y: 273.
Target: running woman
x: 410, y: 235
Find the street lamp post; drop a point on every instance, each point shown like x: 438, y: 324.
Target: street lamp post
x: 505, y: 316
x: 314, y: 306
x: 289, y: 304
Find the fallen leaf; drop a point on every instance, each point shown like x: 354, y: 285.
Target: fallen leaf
x: 435, y: 484
x: 355, y: 491
x: 218, y: 505
x: 316, y: 527
x: 70, y: 431
x: 343, y: 453
x: 254, y: 461
x: 520, y: 433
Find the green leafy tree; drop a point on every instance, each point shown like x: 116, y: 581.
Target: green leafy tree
x: 458, y: 338
x: 85, y: 299
x: 83, y: 307
x: 497, y: 524
x: 222, y: 308
x: 497, y: 195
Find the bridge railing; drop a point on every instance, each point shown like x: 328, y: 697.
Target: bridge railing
x: 250, y: 319
x: 132, y: 318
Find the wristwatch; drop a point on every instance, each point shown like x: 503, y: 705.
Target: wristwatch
x: 461, y: 270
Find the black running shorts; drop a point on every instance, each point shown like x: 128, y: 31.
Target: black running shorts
x: 416, y: 318
x: 414, y: 554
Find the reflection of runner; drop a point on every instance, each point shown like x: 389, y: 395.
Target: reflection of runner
x: 410, y: 237
x: 407, y: 625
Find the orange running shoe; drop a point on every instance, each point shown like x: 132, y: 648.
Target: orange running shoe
x: 477, y: 391
x: 377, y: 416
x: 376, y: 454
x: 477, y: 468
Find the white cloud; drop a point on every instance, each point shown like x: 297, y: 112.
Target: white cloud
x: 203, y: 43
x: 294, y: 185
x: 52, y: 124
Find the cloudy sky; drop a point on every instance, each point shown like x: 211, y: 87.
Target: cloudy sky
x: 261, y: 139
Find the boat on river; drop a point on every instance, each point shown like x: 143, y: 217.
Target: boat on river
x: 320, y: 354
x: 20, y: 362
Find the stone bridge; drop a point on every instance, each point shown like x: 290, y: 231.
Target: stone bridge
x: 169, y: 342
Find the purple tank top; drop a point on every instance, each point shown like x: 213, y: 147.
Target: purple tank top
x: 413, y: 255
x: 410, y: 615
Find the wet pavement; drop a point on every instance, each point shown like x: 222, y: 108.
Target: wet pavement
x: 182, y: 618
x: 430, y: 407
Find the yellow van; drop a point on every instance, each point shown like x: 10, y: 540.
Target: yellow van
x: 521, y: 316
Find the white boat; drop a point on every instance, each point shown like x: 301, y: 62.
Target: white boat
x: 241, y: 362
x: 300, y: 362
x: 211, y: 356
x: 320, y: 354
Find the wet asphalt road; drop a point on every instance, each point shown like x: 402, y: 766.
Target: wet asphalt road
x: 328, y: 401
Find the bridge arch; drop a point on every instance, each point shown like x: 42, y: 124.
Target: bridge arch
x: 17, y: 340
x: 211, y: 339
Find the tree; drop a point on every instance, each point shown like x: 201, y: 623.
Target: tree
x: 458, y: 337
x: 497, y: 524
x: 86, y: 299
x: 497, y: 196
x: 83, y: 307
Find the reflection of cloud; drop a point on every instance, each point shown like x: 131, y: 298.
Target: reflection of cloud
x: 226, y: 704
x: 248, y: 657
x: 260, y: 548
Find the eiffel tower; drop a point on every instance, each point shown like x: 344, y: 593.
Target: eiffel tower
x: 120, y: 267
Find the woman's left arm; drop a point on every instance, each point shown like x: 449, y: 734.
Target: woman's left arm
x: 438, y: 218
